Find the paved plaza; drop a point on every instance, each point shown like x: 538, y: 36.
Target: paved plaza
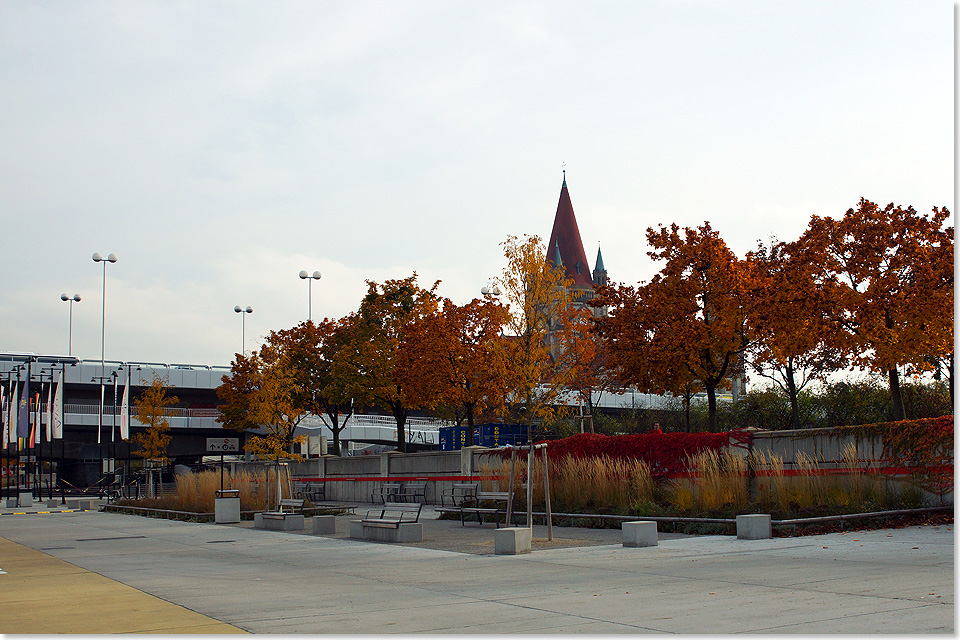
x: 91, y: 572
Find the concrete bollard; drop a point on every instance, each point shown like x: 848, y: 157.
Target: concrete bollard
x: 52, y: 503
x: 26, y: 498
x: 754, y: 526
x: 640, y: 533
x: 324, y: 524
x: 510, y: 541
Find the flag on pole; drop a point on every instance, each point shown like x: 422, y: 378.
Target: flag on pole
x: 12, y: 415
x: 50, y: 412
x: 58, y: 409
x: 125, y: 412
x: 100, y: 426
x: 23, y: 414
x: 4, y: 419
x: 35, y: 430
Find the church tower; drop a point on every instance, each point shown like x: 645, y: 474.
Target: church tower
x: 565, y: 251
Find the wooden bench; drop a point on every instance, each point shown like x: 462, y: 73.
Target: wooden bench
x: 313, y: 491
x: 386, y: 492
x: 393, y: 522
x: 459, y: 493
x: 282, y: 520
x: 392, y: 514
x: 410, y: 491
x: 496, y: 497
x: 295, y: 505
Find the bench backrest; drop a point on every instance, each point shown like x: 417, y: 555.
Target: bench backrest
x: 399, y: 511
x: 493, y: 495
x: 293, y: 503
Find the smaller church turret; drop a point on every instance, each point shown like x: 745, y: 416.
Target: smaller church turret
x: 599, y: 272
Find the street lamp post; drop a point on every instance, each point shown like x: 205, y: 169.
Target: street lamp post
x: 243, y: 329
x: 111, y: 258
x: 309, y: 278
x: 66, y: 298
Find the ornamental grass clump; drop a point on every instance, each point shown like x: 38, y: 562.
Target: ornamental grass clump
x: 718, y: 481
x: 196, y: 491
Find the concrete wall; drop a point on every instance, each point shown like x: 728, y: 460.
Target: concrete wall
x: 823, y: 445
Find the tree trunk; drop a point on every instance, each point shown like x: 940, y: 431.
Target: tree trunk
x: 468, y: 406
x: 711, y: 406
x: 898, y: 411
x: 400, y: 413
x: 792, y: 392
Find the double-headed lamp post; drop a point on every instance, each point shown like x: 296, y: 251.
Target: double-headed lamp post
x: 66, y: 298
x: 111, y: 258
x: 243, y: 329
x: 309, y: 278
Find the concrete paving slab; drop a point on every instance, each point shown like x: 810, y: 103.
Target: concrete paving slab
x: 274, y: 582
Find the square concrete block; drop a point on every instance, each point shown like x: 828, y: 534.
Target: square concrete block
x: 88, y: 504
x: 324, y: 524
x: 509, y: 541
x: 26, y: 499
x: 11, y: 503
x: 754, y: 526
x: 73, y: 504
x: 226, y: 510
x: 640, y: 533
x: 53, y: 502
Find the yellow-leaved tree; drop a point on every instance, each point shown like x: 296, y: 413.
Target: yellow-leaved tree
x: 152, y: 443
x: 538, y: 297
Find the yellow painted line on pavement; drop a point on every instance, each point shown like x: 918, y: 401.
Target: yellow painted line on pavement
x: 43, y: 594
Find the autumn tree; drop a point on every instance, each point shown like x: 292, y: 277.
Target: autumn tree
x: 796, y: 343
x: 152, y: 443
x: 454, y: 357
x: 311, y: 348
x: 688, y: 324
x: 580, y: 350
x: 890, y: 272
x: 366, y: 360
x: 538, y: 297
x: 265, y: 395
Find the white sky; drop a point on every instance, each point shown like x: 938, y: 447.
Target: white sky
x: 218, y: 148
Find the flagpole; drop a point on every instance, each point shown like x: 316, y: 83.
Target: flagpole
x: 59, y: 401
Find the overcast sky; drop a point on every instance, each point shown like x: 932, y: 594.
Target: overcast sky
x: 218, y: 148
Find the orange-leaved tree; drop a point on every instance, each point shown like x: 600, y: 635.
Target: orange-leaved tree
x: 688, y: 323
x: 365, y: 361
x: 311, y: 348
x: 580, y: 349
x: 152, y: 443
x: 454, y: 357
x: 796, y: 343
x: 890, y: 272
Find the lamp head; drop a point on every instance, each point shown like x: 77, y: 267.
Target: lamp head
x: 249, y: 309
x: 76, y: 297
x: 303, y: 275
x: 316, y: 275
x: 64, y: 297
x: 237, y: 309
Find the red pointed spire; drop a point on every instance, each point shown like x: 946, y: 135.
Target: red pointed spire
x: 566, y: 237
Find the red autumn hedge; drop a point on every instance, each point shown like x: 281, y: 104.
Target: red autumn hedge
x: 666, y: 453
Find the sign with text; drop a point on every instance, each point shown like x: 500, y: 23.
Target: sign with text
x: 223, y: 445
